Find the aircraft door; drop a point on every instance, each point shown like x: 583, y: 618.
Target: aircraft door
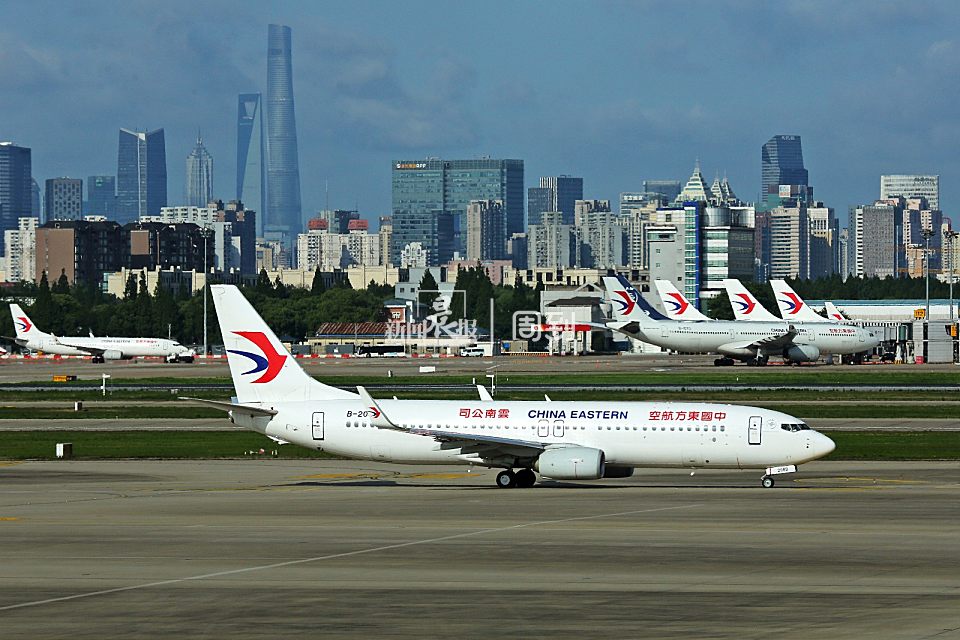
x: 753, y: 430
x: 558, y: 428
x: 318, y: 425
x: 543, y: 429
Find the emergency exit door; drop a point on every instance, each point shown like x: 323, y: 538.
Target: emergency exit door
x: 318, y: 425
x: 753, y: 430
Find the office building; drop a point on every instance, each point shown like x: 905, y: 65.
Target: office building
x: 35, y: 208
x: 141, y: 174
x: 101, y: 197
x: 19, y: 259
x: 386, y: 237
x: 911, y: 186
x: 669, y: 189
x: 665, y: 251
x: 251, y: 164
x: 16, y: 186
x: 486, y: 230
x: 782, y: 164
x: 726, y: 247
x: 539, y: 199
x: 695, y: 190
x: 430, y: 199
x: 199, y: 182
x: 282, y: 220
x: 564, y: 193
x: 63, y: 199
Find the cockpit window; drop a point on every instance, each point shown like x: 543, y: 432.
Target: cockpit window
x: 794, y: 426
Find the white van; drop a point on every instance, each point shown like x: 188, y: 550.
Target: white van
x: 469, y: 352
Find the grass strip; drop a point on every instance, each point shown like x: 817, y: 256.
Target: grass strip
x: 895, y: 445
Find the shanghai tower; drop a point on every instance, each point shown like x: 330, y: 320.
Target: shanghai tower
x: 283, y: 219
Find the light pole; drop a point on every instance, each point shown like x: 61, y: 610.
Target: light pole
x: 206, y: 274
x: 927, y: 234
x: 951, y: 237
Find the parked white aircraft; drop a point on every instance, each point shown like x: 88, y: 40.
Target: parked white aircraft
x: 101, y: 348
x: 792, y: 306
x: 676, y: 304
x: 753, y: 342
x: 834, y: 313
x: 561, y: 440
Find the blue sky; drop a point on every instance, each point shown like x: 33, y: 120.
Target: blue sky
x: 616, y: 92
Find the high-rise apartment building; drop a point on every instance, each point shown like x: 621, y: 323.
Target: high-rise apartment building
x: 141, y: 174
x: 486, y: 230
x: 63, y: 199
x: 876, y: 240
x: 911, y: 186
x: 16, y: 186
x: 430, y: 199
x: 282, y: 220
x: 80, y: 249
x: 101, y: 197
x: 329, y: 251
x: 790, y: 242
x: 199, y: 182
x: 781, y: 164
x: 695, y: 190
x: 824, y: 241
x: 19, y: 258
x: 550, y: 243
x: 251, y: 165
x: 600, y: 238
x: 539, y: 199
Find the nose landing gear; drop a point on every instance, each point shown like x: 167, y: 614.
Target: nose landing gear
x: 767, y: 482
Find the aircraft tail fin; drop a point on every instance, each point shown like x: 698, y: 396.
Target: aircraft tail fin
x: 262, y: 369
x: 23, y: 324
x: 628, y: 304
x: 745, y: 304
x: 833, y: 313
x: 676, y: 304
x: 792, y: 306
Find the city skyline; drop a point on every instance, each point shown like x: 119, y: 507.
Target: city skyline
x: 366, y: 98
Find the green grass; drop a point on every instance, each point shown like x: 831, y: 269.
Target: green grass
x: 895, y: 445
x: 19, y: 445
x: 180, y: 410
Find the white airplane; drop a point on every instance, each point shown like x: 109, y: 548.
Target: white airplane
x: 792, y: 305
x: 834, y: 313
x: 101, y: 348
x: 581, y: 440
x: 676, y: 304
x: 753, y: 342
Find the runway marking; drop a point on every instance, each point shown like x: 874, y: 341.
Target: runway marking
x: 10, y: 464
x: 8, y: 518
x: 334, y: 556
x: 331, y: 476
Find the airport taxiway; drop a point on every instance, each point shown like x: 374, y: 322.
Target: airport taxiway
x: 338, y: 549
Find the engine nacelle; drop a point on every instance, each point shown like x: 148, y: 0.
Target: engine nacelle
x: 571, y: 463
x: 802, y: 353
x: 112, y: 354
x: 612, y: 471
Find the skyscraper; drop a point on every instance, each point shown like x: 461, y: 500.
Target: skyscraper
x: 16, y: 186
x: 539, y: 201
x: 102, y: 196
x: 782, y: 164
x: 283, y: 215
x: 63, y: 199
x: 199, y: 184
x: 141, y: 174
x: 430, y: 199
x: 911, y: 186
x: 566, y: 191
x: 250, y: 155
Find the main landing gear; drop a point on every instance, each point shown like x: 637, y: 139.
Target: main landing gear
x: 525, y: 478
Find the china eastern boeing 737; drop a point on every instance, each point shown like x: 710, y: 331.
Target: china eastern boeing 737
x: 753, y: 342
x: 100, y: 348
x: 580, y: 440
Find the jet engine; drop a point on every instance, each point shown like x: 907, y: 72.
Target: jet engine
x: 113, y: 354
x: 571, y: 463
x: 802, y: 353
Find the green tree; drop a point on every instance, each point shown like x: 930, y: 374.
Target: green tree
x: 429, y: 284
x: 318, y: 285
x: 62, y: 285
x: 263, y: 286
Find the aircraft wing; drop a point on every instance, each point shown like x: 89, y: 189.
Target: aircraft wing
x: 770, y: 342
x: 94, y: 351
x: 230, y: 406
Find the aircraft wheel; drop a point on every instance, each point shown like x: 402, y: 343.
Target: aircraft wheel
x: 767, y: 482
x: 506, y: 479
x: 718, y: 362
x: 526, y: 478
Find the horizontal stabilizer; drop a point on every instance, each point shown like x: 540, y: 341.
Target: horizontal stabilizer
x: 230, y: 406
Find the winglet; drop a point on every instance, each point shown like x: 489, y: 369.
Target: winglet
x: 484, y: 394
x: 379, y: 418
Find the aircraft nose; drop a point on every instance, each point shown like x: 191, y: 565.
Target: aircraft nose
x: 825, y: 445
